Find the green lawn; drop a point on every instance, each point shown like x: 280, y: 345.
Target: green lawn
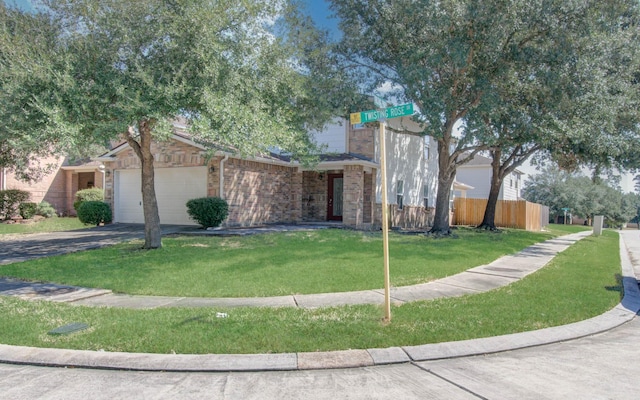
x: 47, y: 225
x: 329, y: 260
x: 580, y: 283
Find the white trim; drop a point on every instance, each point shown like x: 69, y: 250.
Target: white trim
x: 81, y: 168
x: 226, y: 157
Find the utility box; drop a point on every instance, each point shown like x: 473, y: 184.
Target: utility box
x: 598, y: 223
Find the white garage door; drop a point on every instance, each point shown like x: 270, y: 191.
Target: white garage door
x: 174, y: 187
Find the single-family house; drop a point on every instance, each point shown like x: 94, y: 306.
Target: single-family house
x: 58, y: 187
x: 478, y: 172
x: 344, y: 186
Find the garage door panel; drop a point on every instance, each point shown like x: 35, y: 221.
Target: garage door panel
x: 174, y: 187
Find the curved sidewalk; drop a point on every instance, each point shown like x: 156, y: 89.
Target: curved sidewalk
x: 498, y: 273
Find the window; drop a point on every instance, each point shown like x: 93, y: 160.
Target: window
x: 425, y: 196
x: 400, y: 194
x: 511, y: 182
x: 426, y: 149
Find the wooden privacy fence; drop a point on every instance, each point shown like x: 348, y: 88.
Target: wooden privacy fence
x: 518, y: 214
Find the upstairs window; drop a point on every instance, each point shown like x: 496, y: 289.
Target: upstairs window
x: 400, y: 194
x: 427, y: 156
x: 425, y: 196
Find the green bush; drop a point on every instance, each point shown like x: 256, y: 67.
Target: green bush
x: 94, y: 194
x: 10, y: 201
x: 208, y: 211
x: 46, y: 210
x: 94, y: 213
x: 28, y: 210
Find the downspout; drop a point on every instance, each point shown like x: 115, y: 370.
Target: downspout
x: 226, y: 157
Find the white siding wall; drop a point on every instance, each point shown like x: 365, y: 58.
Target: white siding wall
x: 479, y: 176
x: 406, y: 162
x: 511, y: 187
x: 333, y: 136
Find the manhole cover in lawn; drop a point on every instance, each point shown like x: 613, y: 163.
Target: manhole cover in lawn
x: 69, y: 328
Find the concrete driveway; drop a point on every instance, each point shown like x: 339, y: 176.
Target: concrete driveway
x: 14, y: 248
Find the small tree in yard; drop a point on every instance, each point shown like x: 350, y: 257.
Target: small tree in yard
x: 235, y: 69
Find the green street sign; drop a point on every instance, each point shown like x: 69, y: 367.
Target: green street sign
x: 378, y: 115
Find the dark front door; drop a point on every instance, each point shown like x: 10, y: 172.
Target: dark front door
x: 334, y: 210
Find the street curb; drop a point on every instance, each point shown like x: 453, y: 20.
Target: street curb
x: 624, y: 312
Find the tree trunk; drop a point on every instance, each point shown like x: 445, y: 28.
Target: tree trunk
x: 152, y: 231
x: 441, y: 218
x: 446, y: 176
x: 489, y: 220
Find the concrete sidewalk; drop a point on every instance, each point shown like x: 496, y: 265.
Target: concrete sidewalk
x: 499, y: 273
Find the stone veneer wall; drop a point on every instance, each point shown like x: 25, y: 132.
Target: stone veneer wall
x: 260, y: 193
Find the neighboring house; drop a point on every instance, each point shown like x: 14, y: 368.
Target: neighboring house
x: 58, y: 187
x: 344, y: 186
x: 477, y: 173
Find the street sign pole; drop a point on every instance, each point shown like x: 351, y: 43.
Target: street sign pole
x: 385, y: 225
x: 381, y: 116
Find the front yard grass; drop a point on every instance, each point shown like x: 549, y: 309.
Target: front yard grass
x: 579, y: 283
x: 319, y: 261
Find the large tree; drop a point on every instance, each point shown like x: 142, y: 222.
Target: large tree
x: 448, y: 57
x: 581, y: 95
x: 27, y: 62
x: 235, y: 69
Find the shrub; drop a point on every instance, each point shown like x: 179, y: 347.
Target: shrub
x: 94, y: 212
x: 27, y: 210
x: 46, y: 210
x: 83, y: 195
x: 10, y: 201
x: 208, y: 211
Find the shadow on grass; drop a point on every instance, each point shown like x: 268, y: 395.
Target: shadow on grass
x: 617, y: 288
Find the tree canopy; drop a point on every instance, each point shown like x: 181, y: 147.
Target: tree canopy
x: 583, y: 197
x: 241, y: 73
x: 467, y: 62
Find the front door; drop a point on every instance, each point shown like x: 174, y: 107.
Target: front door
x: 334, y: 210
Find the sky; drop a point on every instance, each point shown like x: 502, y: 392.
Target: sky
x: 321, y: 14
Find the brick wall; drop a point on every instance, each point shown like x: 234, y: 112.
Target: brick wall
x: 171, y: 153
x: 410, y: 217
x: 50, y: 188
x: 362, y: 141
x: 352, y: 214
x: 260, y: 193
x: 314, y: 200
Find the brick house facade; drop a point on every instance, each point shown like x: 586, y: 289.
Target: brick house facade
x: 344, y: 186
x: 260, y: 190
